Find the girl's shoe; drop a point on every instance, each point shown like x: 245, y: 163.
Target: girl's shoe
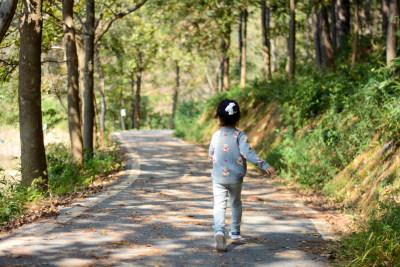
x: 220, y: 241
x: 235, y: 235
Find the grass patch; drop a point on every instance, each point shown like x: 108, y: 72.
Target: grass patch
x: 377, y: 242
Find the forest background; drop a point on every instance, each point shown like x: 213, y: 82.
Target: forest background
x: 317, y: 82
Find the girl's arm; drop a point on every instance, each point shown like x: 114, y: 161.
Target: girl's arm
x: 211, y: 149
x: 250, y: 155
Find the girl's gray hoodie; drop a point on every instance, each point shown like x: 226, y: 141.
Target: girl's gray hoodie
x: 229, y: 150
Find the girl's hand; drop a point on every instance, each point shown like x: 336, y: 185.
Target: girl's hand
x: 270, y: 170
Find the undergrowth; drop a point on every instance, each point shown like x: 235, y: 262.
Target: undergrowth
x: 65, y: 177
x: 327, y: 120
x: 377, y: 242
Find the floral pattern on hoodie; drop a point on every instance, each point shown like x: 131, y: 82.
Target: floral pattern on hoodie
x: 229, y: 152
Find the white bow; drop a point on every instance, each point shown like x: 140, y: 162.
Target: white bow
x: 229, y: 108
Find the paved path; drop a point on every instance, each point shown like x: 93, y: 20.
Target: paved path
x: 160, y: 214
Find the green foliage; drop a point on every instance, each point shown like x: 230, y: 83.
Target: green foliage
x: 325, y: 120
x: 14, y: 197
x: 157, y: 120
x: 187, y: 115
x: 377, y: 243
x: 65, y: 177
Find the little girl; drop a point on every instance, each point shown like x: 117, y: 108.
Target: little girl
x: 229, y: 150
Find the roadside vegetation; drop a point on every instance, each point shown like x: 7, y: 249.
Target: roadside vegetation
x: 336, y: 134
x: 67, y: 180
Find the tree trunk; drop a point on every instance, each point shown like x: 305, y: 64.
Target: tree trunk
x: 240, y: 43
x: 356, y: 33
x: 333, y: 24
x: 80, y: 49
x: 265, y: 16
x: 217, y: 81
x: 74, y: 116
x: 243, y: 47
x: 342, y: 22
x: 88, y: 94
x: 103, y: 105
x: 33, y: 157
x: 308, y: 38
x: 137, y: 99
x: 121, y: 99
x: 176, y: 93
x: 133, y: 96
x: 391, y: 31
x: 225, y: 44
x: 327, y: 55
x: 7, y: 11
x: 292, y: 38
x: 317, y: 37
x: 385, y: 16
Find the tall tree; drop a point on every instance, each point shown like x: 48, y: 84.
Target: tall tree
x: 74, y: 116
x: 225, y: 44
x: 292, y: 38
x: 342, y: 22
x: 88, y: 116
x: 317, y: 36
x: 33, y: 157
x: 327, y: 54
x: 356, y: 32
x: 176, y: 93
x: 333, y: 23
x: 243, y: 46
x: 139, y: 74
x: 385, y: 11
x: 391, y: 31
x: 265, y: 18
x: 103, y: 105
x: 7, y: 11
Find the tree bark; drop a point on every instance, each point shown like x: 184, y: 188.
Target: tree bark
x: 385, y: 5
x: 240, y: 43
x: 176, y: 94
x: 292, y: 38
x: 103, y: 105
x: 317, y: 37
x: 265, y: 17
x: 80, y: 49
x: 33, y: 157
x: 243, y: 47
x: 225, y: 44
x: 333, y: 24
x: 356, y: 33
x: 7, y: 11
x: 137, y: 99
x: 391, y: 31
x: 121, y: 99
x: 133, y: 96
x: 88, y: 94
x: 74, y: 116
x: 327, y: 55
x: 342, y: 22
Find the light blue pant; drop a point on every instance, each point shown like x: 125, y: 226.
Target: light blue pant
x: 221, y: 192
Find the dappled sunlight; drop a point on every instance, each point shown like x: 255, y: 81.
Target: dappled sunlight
x: 165, y: 218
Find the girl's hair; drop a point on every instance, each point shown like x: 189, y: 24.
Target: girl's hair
x: 228, y: 111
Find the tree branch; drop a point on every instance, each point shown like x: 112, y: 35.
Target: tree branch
x: 107, y: 26
x: 53, y: 61
x: 60, y: 21
x: 7, y: 11
x: 76, y: 14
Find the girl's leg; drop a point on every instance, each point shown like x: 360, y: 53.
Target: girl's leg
x: 235, y: 191
x: 220, y: 192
